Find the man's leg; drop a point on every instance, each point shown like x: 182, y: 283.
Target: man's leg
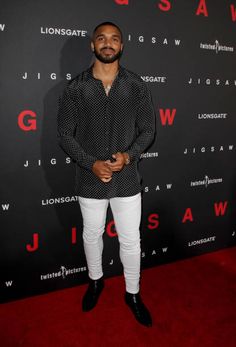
x: 94, y: 217
x: 127, y: 215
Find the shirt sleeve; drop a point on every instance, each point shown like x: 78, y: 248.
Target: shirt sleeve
x: 66, y: 126
x: 145, y: 123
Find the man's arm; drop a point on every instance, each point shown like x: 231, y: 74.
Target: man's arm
x: 67, y: 115
x: 145, y: 123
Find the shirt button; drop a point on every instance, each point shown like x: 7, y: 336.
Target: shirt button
x: 107, y: 148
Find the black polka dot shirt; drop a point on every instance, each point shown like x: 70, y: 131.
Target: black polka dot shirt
x: 93, y: 126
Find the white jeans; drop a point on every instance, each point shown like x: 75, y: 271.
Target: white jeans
x: 127, y: 215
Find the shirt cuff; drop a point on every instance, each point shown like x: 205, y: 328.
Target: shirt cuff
x: 88, y: 163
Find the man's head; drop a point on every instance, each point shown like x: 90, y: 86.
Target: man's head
x: 107, y: 42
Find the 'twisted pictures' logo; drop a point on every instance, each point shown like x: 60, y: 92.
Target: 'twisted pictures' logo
x: 206, y: 182
x: 217, y: 47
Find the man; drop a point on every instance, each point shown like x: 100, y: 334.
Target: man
x: 105, y: 122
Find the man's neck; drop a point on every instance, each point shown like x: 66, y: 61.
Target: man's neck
x: 104, y: 71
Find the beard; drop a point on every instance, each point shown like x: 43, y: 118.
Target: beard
x: 107, y: 59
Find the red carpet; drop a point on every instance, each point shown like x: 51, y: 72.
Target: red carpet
x: 193, y: 304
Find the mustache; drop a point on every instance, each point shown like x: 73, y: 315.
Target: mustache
x: 108, y: 48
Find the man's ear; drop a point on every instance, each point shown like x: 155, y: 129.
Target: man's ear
x: 92, y: 46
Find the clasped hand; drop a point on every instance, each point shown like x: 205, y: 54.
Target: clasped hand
x: 104, y: 169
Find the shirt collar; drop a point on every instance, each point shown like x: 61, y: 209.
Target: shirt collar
x: 89, y: 72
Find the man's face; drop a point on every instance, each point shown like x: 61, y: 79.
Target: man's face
x: 106, y: 44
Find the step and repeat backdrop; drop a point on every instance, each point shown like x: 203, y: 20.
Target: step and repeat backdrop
x: 185, y: 51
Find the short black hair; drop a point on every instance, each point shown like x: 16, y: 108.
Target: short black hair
x: 111, y: 24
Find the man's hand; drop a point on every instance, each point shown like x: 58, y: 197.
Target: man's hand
x: 102, y: 170
x: 120, y: 161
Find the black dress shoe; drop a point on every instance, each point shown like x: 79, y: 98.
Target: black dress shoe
x: 138, y: 308
x: 92, y: 294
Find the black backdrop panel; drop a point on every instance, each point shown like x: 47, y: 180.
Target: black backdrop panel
x: 185, y: 51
